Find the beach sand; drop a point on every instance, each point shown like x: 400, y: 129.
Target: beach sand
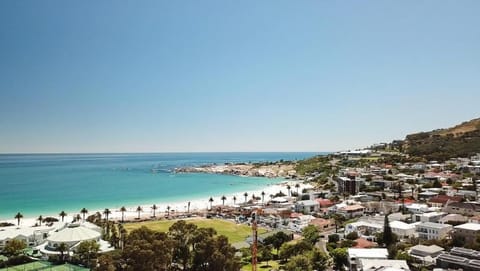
x: 196, y: 206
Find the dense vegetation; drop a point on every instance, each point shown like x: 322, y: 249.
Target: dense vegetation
x: 460, y: 141
x: 183, y: 247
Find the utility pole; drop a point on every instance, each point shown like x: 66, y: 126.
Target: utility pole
x: 254, y: 243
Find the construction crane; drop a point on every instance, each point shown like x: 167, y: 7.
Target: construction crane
x: 254, y: 242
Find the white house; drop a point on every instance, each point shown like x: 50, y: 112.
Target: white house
x: 356, y: 255
x: 429, y: 230
x: 307, y: 206
x: 402, y: 229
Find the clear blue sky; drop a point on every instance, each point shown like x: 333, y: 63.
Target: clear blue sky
x: 161, y: 76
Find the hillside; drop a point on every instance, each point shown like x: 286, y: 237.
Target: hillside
x: 462, y: 140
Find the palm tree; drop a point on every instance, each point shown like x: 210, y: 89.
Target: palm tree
x: 223, y: 199
x: 154, y: 207
x: 62, y: 214
x: 40, y: 219
x: 106, y: 212
x: 62, y: 248
x: 297, y: 186
x: 168, y: 210
x: 84, y: 211
x: 78, y: 217
x: 288, y: 188
x: 234, y: 200
x: 263, y: 196
x: 18, y: 216
x: 211, y: 201
x: 245, y: 195
x: 188, y: 210
x: 139, y: 209
x: 123, y: 210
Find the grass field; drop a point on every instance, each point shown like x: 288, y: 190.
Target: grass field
x: 44, y: 266
x: 234, y: 232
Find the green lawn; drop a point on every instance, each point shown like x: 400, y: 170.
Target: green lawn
x: 262, y: 266
x: 44, y: 266
x: 234, y: 232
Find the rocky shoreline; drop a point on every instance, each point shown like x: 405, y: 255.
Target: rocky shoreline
x: 286, y: 171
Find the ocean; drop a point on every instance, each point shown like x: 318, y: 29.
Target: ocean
x: 45, y: 184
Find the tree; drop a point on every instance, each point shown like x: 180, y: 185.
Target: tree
x: 40, y: 219
x: 388, y: 238
x: 288, y: 189
x: 277, y: 240
x: 265, y: 254
x: 62, y: 214
x: 310, y: 234
x: 84, y: 211
x: 14, y: 247
x: 245, y: 195
x: 352, y: 236
x: 333, y: 238
x: 298, y: 263
x: 123, y: 210
x: 340, y: 257
x: 188, y: 209
x: 223, y: 200
x: 263, y: 196
x: 154, y: 208
x: 105, y: 263
x: 234, y: 200
x: 339, y: 220
x: 211, y: 202
x: 18, y: 216
x: 62, y: 248
x: 88, y: 250
x: 168, y: 210
x: 318, y: 260
x: 106, y: 212
x: 297, y: 186
x: 139, y: 210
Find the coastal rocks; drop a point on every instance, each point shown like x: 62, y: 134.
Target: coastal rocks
x: 248, y: 170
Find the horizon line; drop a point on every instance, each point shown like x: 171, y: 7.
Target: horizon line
x: 168, y: 152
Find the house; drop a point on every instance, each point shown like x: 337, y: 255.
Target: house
x: 402, y: 229
x: 417, y: 208
x: 426, y: 254
x: 427, y: 195
x: 72, y: 235
x: 325, y: 203
x: 430, y: 230
x: 442, y: 200
x: 351, y: 211
x: 30, y: 235
x: 453, y: 219
x: 468, y: 232
x: 323, y: 224
x: 463, y: 208
x: 362, y: 227
x: 460, y: 258
x: 429, y: 217
x: 383, y: 265
x: 307, y: 206
x: 356, y: 255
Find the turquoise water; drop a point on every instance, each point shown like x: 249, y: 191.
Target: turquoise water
x: 35, y: 184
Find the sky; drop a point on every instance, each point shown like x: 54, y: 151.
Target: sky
x: 218, y: 76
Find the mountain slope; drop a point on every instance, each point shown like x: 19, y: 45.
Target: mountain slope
x: 460, y: 141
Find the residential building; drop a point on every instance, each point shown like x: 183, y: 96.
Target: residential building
x: 382, y: 265
x: 441, y: 200
x: 453, y: 219
x: 426, y: 254
x: 348, y: 185
x: 351, y: 211
x: 307, y: 206
x: 429, y: 230
x: 468, y: 232
x: 402, y: 229
x: 356, y: 255
x: 463, y: 208
x: 429, y: 217
x: 460, y: 258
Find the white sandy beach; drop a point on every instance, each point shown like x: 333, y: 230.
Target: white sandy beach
x: 175, y: 207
